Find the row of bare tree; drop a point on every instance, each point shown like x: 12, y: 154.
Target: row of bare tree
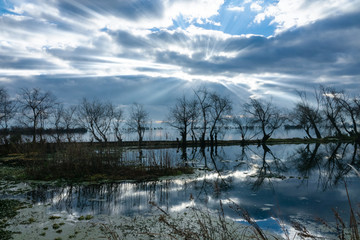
x: 329, y: 108
x: 326, y: 111
x: 201, y: 116
x: 36, y: 109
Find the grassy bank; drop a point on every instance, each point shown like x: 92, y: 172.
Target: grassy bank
x: 87, y: 162
x: 21, y: 147
x: 8, y: 210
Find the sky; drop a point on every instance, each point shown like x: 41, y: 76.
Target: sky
x: 153, y: 51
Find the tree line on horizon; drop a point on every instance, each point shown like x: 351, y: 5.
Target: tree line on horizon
x: 325, y: 112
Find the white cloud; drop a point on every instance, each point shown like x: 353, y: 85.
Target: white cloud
x: 190, y: 9
x: 48, y: 41
x: 288, y: 14
x: 236, y: 9
x: 255, y: 7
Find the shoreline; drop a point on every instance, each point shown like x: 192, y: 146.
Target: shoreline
x: 178, y: 144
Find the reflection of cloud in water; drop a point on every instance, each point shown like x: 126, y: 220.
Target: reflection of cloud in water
x: 300, y: 192
x: 182, y: 206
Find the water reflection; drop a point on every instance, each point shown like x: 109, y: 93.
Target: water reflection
x: 283, y: 181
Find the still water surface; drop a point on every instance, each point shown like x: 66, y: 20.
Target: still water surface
x: 281, y: 182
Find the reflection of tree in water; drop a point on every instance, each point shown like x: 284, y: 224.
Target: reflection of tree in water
x: 209, y: 161
x: 330, y: 162
x: 218, y: 181
x: 269, y: 167
x: 106, y: 198
x: 307, y: 159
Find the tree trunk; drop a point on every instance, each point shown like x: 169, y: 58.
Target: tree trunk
x: 183, y: 139
x: 317, y: 132
x: 265, y: 137
x: 34, y: 133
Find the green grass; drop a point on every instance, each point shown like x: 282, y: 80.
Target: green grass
x: 8, y: 210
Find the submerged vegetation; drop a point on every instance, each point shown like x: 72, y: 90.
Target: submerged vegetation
x: 87, y: 162
x: 8, y: 210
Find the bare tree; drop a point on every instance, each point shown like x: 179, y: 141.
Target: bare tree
x: 243, y: 125
x: 266, y: 115
x: 351, y: 114
x: 202, y: 96
x: 194, y: 120
x: 58, y: 115
x: 7, y: 109
x: 332, y: 107
x: 96, y: 117
x: 35, y: 107
x: 117, y: 121
x: 219, y: 111
x: 308, y: 115
x: 138, y: 118
x: 181, y: 117
x: 69, y: 121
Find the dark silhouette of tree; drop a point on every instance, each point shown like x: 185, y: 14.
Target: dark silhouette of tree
x: 307, y: 115
x: 58, y: 114
x: 350, y: 118
x: 97, y: 117
x: 332, y: 107
x: 243, y: 124
x: 195, y: 119
x: 7, y: 111
x: 219, y: 112
x: 117, y: 121
x: 35, y: 108
x: 265, y: 115
x: 181, y: 117
x: 138, y: 119
x: 69, y: 121
x: 202, y: 95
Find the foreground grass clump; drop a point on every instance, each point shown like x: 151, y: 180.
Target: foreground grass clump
x: 8, y: 210
x: 88, y: 163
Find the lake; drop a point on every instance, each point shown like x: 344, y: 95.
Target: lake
x: 274, y: 183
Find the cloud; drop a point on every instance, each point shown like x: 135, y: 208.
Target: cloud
x: 236, y: 9
x: 256, y: 6
x: 289, y: 14
x: 317, y: 49
x: 132, y: 43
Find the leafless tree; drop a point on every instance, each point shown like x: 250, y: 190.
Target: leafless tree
x: 138, y: 119
x: 308, y: 115
x: 96, y: 117
x: 7, y: 109
x: 116, y: 125
x: 195, y: 119
x: 219, y: 112
x: 331, y: 107
x: 266, y: 115
x: 69, y: 121
x: 243, y: 124
x: 58, y: 115
x: 181, y: 117
x: 203, y: 95
x: 35, y: 108
x: 351, y: 114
